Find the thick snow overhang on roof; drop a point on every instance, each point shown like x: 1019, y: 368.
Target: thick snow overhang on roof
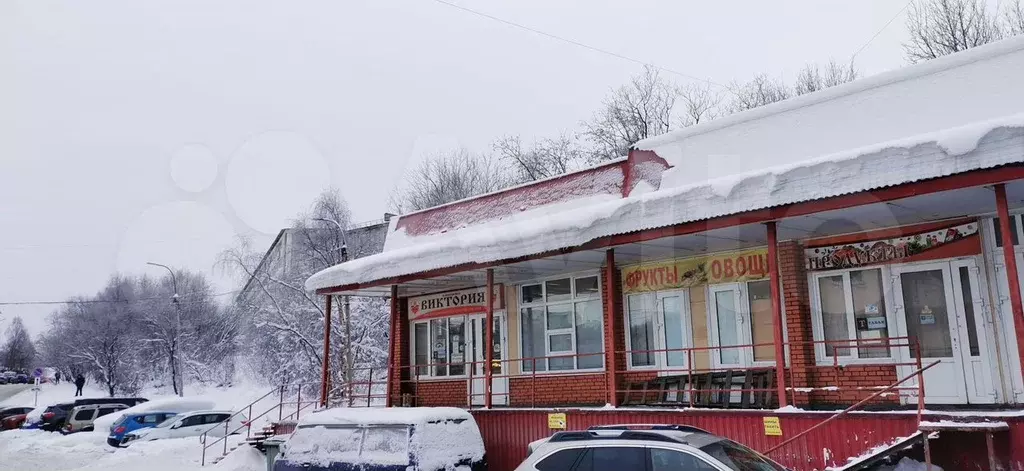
x: 947, y: 152
x: 968, y: 87
x: 947, y: 116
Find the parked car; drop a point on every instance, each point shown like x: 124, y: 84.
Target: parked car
x: 53, y: 419
x: 189, y: 424
x: 9, y: 411
x: 22, y: 378
x: 81, y: 417
x: 393, y: 439
x: 650, y: 447
x: 132, y: 422
x: 13, y: 422
x: 3, y: 379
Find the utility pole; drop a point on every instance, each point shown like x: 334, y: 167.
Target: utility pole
x: 178, y: 377
x: 345, y: 313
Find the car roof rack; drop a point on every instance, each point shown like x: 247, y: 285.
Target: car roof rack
x: 625, y: 435
x: 673, y: 427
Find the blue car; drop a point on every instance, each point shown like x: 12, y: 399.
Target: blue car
x: 131, y: 422
x: 389, y: 439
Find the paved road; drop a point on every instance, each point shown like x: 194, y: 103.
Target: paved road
x: 9, y: 390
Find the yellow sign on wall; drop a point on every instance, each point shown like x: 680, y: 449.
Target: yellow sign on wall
x: 772, y: 427
x: 556, y: 421
x: 728, y: 267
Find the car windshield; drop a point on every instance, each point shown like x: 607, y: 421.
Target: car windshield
x: 349, y: 444
x: 740, y: 458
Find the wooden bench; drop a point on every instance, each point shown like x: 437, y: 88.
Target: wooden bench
x: 713, y: 389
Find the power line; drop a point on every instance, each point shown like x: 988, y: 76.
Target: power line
x: 575, y: 42
x: 107, y: 301
x: 897, y: 15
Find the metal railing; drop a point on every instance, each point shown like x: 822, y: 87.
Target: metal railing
x: 530, y: 372
x: 282, y: 390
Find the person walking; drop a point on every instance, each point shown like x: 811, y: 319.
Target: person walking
x: 56, y: 377
x: 79, y: 383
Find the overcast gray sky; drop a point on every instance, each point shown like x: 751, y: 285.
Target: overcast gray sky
x: 156, y: 131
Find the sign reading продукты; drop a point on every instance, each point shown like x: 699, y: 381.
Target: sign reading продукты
x: 556, y: 421
x: 772, y: 428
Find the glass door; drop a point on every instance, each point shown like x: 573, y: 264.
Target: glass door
x: 673, y: 331
x: 972, y: 311
x: 926, y: 306
x: 499, y: 385
x: 728, y: 325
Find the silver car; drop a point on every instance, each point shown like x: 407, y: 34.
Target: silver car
x: 80, y: 418
x: 646, y: 447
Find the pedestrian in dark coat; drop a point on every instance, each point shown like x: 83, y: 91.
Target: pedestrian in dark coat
x: 56, y: 377
x: 79, y: 383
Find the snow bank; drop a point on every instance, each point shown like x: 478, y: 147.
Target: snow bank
x: 383, y: 416
x: 170, y: 404
x: 998, y: 142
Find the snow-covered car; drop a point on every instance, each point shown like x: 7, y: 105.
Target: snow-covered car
x: 190, y: 424
x: 390, y: 439
x: 81, y: 417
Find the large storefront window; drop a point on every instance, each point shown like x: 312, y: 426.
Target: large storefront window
x: 440, y: 343
x: 562, y: 325
x: 852, y: 308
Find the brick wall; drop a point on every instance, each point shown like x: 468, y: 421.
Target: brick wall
x: 399, y: 345
x: 848, y: 379
x: 614, y: 330
x: 561, y: 390
x: 452, y: 393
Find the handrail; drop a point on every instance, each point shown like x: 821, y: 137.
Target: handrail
x: 848, y: 409
x: 247, y: 424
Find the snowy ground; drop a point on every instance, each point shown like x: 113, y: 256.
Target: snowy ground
x: 30, y: 450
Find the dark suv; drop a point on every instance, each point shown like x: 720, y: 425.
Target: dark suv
x: 55, y: 416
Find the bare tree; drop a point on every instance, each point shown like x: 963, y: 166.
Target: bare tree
x: 18, y: 351
x: 446, y: 177
x: 941, y: 27
x: 812, y: 79
x: 544, y: 159
x: 760, y: 91
x: 638, y: 110
x: 700, y: 103
x: 1013, y: 16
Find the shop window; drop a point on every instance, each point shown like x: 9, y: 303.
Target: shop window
x: 759, y: 297
x: 852, y: 314
x: 562, y: 324
x: 1014, y: 230
x: 658, y: 322
x: 440, y: 343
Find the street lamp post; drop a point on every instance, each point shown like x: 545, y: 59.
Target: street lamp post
x: 178, y: 378
x: 345, y: 312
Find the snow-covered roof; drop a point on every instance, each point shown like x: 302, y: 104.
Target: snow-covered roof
x: 383, y: 416
x: 967, y: 87
x: 947, y: 116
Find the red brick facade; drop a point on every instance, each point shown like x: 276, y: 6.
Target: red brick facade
x: 547, y: 390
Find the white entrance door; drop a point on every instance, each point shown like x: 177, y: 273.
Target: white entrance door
x: 730, y: 325
x: 939, y: 306
x: 673, y: 331
x: 477, y: 341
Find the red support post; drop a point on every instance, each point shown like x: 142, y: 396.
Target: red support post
x: 780, y: 348
x: 325, y: 374
x: 609, y: 325
x: 488, y: 339
x: 394, y: 362
x: 1010, y: 263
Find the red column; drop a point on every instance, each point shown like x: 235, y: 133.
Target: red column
x: 780, y: 348
x: 325, y: 374
x: 488, y: 337
x: 1010, y: 261
x: 609, y: 326
x: 395, y: 361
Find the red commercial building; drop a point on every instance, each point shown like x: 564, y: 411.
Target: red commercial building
x: 778, y: 264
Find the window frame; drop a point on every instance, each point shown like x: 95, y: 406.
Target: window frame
x: 660, y: 335
x: 818, y: 321
x: 543, y: 304
x: 429, y: 371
